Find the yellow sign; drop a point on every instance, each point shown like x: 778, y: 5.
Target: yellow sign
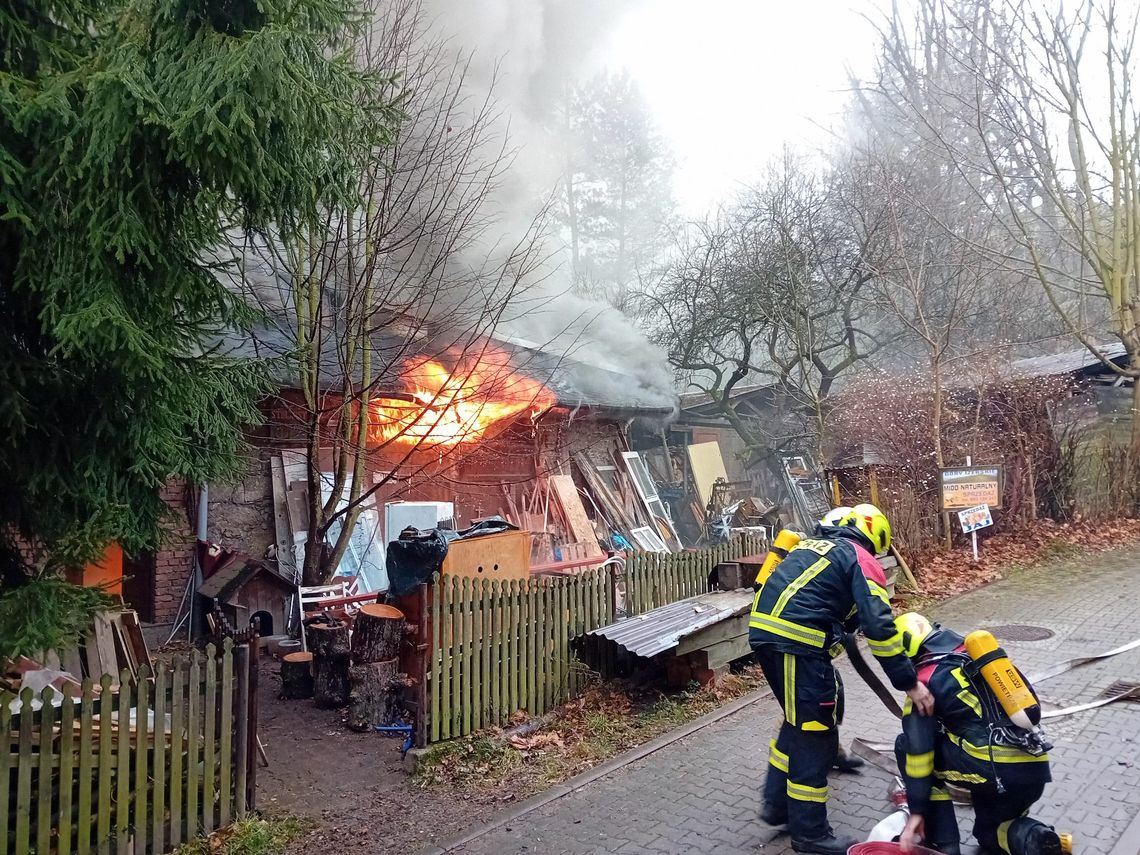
x: 969, y: 486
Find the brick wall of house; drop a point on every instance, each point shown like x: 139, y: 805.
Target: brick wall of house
x: 175, y: 558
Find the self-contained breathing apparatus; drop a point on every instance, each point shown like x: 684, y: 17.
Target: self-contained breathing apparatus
x: 1007, y: 703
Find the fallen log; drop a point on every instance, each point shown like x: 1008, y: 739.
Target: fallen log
x: 377, y: 633
x: 297, y: 676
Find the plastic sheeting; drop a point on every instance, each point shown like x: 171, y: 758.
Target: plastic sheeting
x: 417, y: 555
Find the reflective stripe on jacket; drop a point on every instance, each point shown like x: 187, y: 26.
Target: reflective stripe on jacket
x: 827, y: 585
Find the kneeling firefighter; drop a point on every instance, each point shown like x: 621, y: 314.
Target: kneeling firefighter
x: 826, y: 586
x: 972, y: 741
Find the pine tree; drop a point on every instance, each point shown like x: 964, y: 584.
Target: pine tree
x: 137, y: 139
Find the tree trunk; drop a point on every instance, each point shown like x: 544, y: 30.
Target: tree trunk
x: 375, y: 697
x: 1135, y: 363
x: 940, y: 461
x: 377, y: 634
x: 297, y: 676
x: 329, y: 645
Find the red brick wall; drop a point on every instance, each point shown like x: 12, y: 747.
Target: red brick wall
x: 175, y: 558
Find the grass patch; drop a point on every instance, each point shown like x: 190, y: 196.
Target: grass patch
x: 605, y: 721
x: 253, y: 835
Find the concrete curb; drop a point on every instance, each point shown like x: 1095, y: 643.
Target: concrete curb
x: 600, y: 771
x: 1129, y: 842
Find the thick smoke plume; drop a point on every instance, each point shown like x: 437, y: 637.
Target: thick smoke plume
x: 528, y: 52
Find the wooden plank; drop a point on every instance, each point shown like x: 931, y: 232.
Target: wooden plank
x: 209, y: 740
x: 106, y: 746
x: 242, y: 748
x: 477, y: 612
x: 105, y: 643
x: 177, y: 742
x: 123, y: 765
x: 706, y: 464
x: 282, y: 532
x: 436, y: 677
x: 226, y: 751
x: 575, y: 513
x: 72, y: 663
x: 24, y: 776
x: 498, y: 660
x: 158, y: 799
x: 46, y: 750
x: 562, y: 621
x: 467, y: 597
x: 66, y: 776
x: 726, y: 651
x: 84, y: 820
x: 7, y: 758
x: 513, y: 665
x: 135, y: 637
x: 527, y: 640
x: 124, y: 653
x: 457, y: 644
x: 146, y: 731
x: 194, y: 741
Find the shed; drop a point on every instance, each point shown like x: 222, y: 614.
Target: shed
x: 247, y: 588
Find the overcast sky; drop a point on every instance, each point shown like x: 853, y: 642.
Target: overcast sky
x: 731, y: 82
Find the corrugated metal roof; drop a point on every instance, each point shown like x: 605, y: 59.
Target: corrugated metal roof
x: 661, y: 629
x: 1065, y: 363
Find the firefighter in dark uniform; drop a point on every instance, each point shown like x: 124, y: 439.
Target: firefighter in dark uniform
x: 827, y: 586
x: 971, y: 743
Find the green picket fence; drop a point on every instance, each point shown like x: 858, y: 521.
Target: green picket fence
x: 501, y: 646
x: 655, y: 579
x: 140, y: 766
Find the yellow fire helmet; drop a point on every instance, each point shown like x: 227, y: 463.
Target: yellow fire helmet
x: 873, y: 523
x: 835, y: 516
x: 915, y: 630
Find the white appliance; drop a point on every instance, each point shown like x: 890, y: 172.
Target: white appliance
x: 422, y: 515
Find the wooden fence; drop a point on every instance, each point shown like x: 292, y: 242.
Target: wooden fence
x: 655, y: 579
x: 138, y: 766
x: 501, y: 646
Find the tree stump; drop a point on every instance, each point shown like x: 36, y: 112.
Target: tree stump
x: 375, y: 694
x: 329, y: 645
x: 377, y: 633
x: 297, y: 676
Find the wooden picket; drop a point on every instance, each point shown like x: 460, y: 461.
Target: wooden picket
x: 499, y: 647
x: 137, y: 764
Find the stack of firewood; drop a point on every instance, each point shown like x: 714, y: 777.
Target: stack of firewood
x: 356, y: 666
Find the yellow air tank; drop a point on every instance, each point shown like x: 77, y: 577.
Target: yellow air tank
x: 1006, y: 683
x: 785, y: 542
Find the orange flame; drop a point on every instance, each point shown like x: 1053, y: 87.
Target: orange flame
x: 449, y: 407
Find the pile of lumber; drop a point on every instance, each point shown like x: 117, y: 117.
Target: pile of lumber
x: 112, y: 645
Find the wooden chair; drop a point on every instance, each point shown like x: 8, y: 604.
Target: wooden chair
x: 315, y: 598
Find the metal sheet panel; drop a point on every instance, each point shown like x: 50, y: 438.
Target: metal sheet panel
x: 661, y: 629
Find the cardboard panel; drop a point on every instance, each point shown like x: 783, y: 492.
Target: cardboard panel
x: 707, y: 465
x: 493, y: 556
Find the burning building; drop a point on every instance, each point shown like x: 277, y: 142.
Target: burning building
x: 493, y: 428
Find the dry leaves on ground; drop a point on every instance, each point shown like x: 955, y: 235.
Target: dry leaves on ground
x: 947, y: 573
x: 607, y: 719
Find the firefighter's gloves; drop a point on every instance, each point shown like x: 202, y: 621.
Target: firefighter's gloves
x: 921, y: 698
x: 913, y: 833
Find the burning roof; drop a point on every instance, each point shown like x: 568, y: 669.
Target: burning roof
x: 526, y: 373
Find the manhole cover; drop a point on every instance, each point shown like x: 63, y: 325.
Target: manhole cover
x: 1122, y: 687
x: 1021, y: 632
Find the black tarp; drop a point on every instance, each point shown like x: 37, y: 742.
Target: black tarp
x: 417, y: 555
